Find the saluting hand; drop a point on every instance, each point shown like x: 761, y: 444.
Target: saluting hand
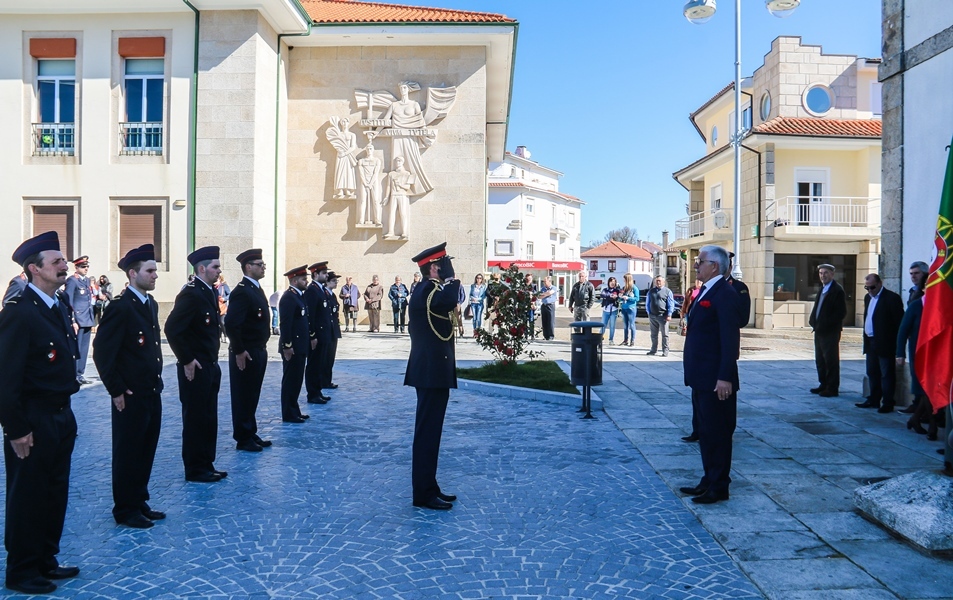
x: 21, y: 447
x: 120, y: 401
x: 190, y: 369
x: 241, y: 360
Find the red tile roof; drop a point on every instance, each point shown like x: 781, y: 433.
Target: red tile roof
x: 805, y: 126
x: 352, y: 11
x: 613, y: 249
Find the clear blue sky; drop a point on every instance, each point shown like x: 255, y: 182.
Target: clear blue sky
x: 589, y: 75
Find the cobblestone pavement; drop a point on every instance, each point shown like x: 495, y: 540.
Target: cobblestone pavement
x: 550, y: 506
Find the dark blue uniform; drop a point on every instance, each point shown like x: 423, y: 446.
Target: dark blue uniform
x: 744, y: 301
x: 79, y: 292
x: 38, y: 353
x: 335, y: 335
x: 193, y: 334
x: 318, y: 300
x: 248, y: 326
x: 432, y: 369
x: 128, y: 355
x: 293, y: 319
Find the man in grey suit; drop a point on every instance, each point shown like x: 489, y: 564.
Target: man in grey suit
x: 79, y: 291
x: 827, y: 320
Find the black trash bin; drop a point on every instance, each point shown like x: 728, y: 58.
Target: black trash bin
x: 586, y: 365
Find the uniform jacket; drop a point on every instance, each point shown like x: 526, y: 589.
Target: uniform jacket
x: 293, y: 323
x: 16, y: 287
x: 432, y: 362
x: 79, y: 290
x: 318, y: 300
x: 713, y: 340
x: 192, y: 326
x: 744, y: 301
x: 248, y: 320
x: 127, y: 349
x: 335, y: 316
x: 833, y: 310
x: 887, y: 316
x: 38, y: 353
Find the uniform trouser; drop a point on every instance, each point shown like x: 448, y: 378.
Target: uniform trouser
x: 428, y: 427
x: 882, y: 375
x: 38, y: 490
x: 716, y: 422
x: 292, y: 376
x: 199, y: 399
x: 827, y: 359
x: 315, y: 375
x: 374, y: 318
x: 327, y: 370
x: 549, y: 321
x: 400, y: 317
x: 135, y: 433
x: 83, y: 335
x: 658, y: 324
x: 245, y: 389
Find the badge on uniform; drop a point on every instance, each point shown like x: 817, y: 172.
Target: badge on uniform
x: 302, y: 312
x: 325, y: 304
x: 51, y: 355
x: 82, y: 291
x: 142, y: 339
x: 207, y: 320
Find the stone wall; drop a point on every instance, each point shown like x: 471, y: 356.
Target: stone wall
x: 321, y: 85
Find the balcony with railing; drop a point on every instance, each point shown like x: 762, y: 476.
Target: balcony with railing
x: 140, y: 139
x: 833, y: 218
x: 704, y: 227
x: 54, y: 139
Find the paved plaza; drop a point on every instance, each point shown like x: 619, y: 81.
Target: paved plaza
x: 550, y: 506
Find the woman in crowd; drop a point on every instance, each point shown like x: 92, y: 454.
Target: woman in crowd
x: 627, y: 308
x: 477, y: 295
x: 492, y: 293
x: 689, y: 298
x: 105, y: 296
x: 610, y: 307
x: 223, y: 292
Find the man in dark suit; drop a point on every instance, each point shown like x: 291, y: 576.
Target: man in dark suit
x: 710, y: 358
x: 432, y: 368
x: 128, y: 355
x: 827, y: 321
x: 248, y: 326
x: 744, y: 297
x: 79, y: 291
x: 295, y: 343
x: 335, y: 329
x: 38, y: 356
x: 193, y: 333
x: 319, y: 325
x: 883, y: 311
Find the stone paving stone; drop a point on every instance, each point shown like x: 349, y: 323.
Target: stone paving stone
x: 773, y: 545
x: 777, y: 578
x: 550, y: 507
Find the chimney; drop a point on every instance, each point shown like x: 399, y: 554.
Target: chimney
x: 522, y: 152
x: 664, y: 240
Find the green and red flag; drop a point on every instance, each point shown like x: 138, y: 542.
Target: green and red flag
x: 934, y: 360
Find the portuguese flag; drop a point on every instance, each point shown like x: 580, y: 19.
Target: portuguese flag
x: 934, y: 360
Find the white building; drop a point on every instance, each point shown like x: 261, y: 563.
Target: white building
x: 615, y: 259
x: 531, y: 223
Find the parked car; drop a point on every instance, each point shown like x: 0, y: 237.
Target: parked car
x: 643, y: 296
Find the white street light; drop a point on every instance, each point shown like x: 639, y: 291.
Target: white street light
x: 701, y: 11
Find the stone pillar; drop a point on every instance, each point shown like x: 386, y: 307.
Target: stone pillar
x: 235, y: 146
x: 891, y: 74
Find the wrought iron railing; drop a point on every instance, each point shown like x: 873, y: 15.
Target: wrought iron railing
x: 54, y: 139
x: 140, y: 138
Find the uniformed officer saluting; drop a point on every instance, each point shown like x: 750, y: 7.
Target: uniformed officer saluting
x: 38, y: 356
x: 294, y: 343
x: 129, y: 359
x: 432, y: 368
x: 192, y: 331
x: 316, y: 295
x: 248, y: 326
x: 79, y: 291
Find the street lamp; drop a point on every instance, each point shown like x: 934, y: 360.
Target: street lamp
x: 701, y: 11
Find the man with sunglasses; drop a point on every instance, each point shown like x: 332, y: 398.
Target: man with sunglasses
x: 883, y: 311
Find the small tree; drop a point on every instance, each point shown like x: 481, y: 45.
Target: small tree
x: 514, y: 301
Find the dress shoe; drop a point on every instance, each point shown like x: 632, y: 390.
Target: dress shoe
x: 867, y: 404
x: 693, y: 491
x: 331, y: 386
x: 885, y: 409
x: 710, y: 497
x: 446, y: 497
x: 248, y: 446
x: 909, y: 410
x: 817, y: 390
x: 828, y: 394
x: 650, y: 353
x: 914, y: 424
x: 222, y: 474
x: 153, y: 515
x: 261, y: 442
x: 37, y: 585
x: 83, y: 381
x: 204, y: 477
x: 305, y: 417
x: 665, y: 353
x: 318, y: 400
x: 690, y: 438
x: 62, y: 572
x: 434, y: 503
x: 294, y: 420
x: 137, y: 522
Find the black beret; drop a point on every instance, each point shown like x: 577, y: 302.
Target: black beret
x: 35, y: 245
x: 142, y: 253
x: 206, y: 253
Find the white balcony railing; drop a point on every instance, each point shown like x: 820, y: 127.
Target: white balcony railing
x: 708, y: 223
x: 823, y: 211
x: 140, y: 138
x: 54, y: 139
